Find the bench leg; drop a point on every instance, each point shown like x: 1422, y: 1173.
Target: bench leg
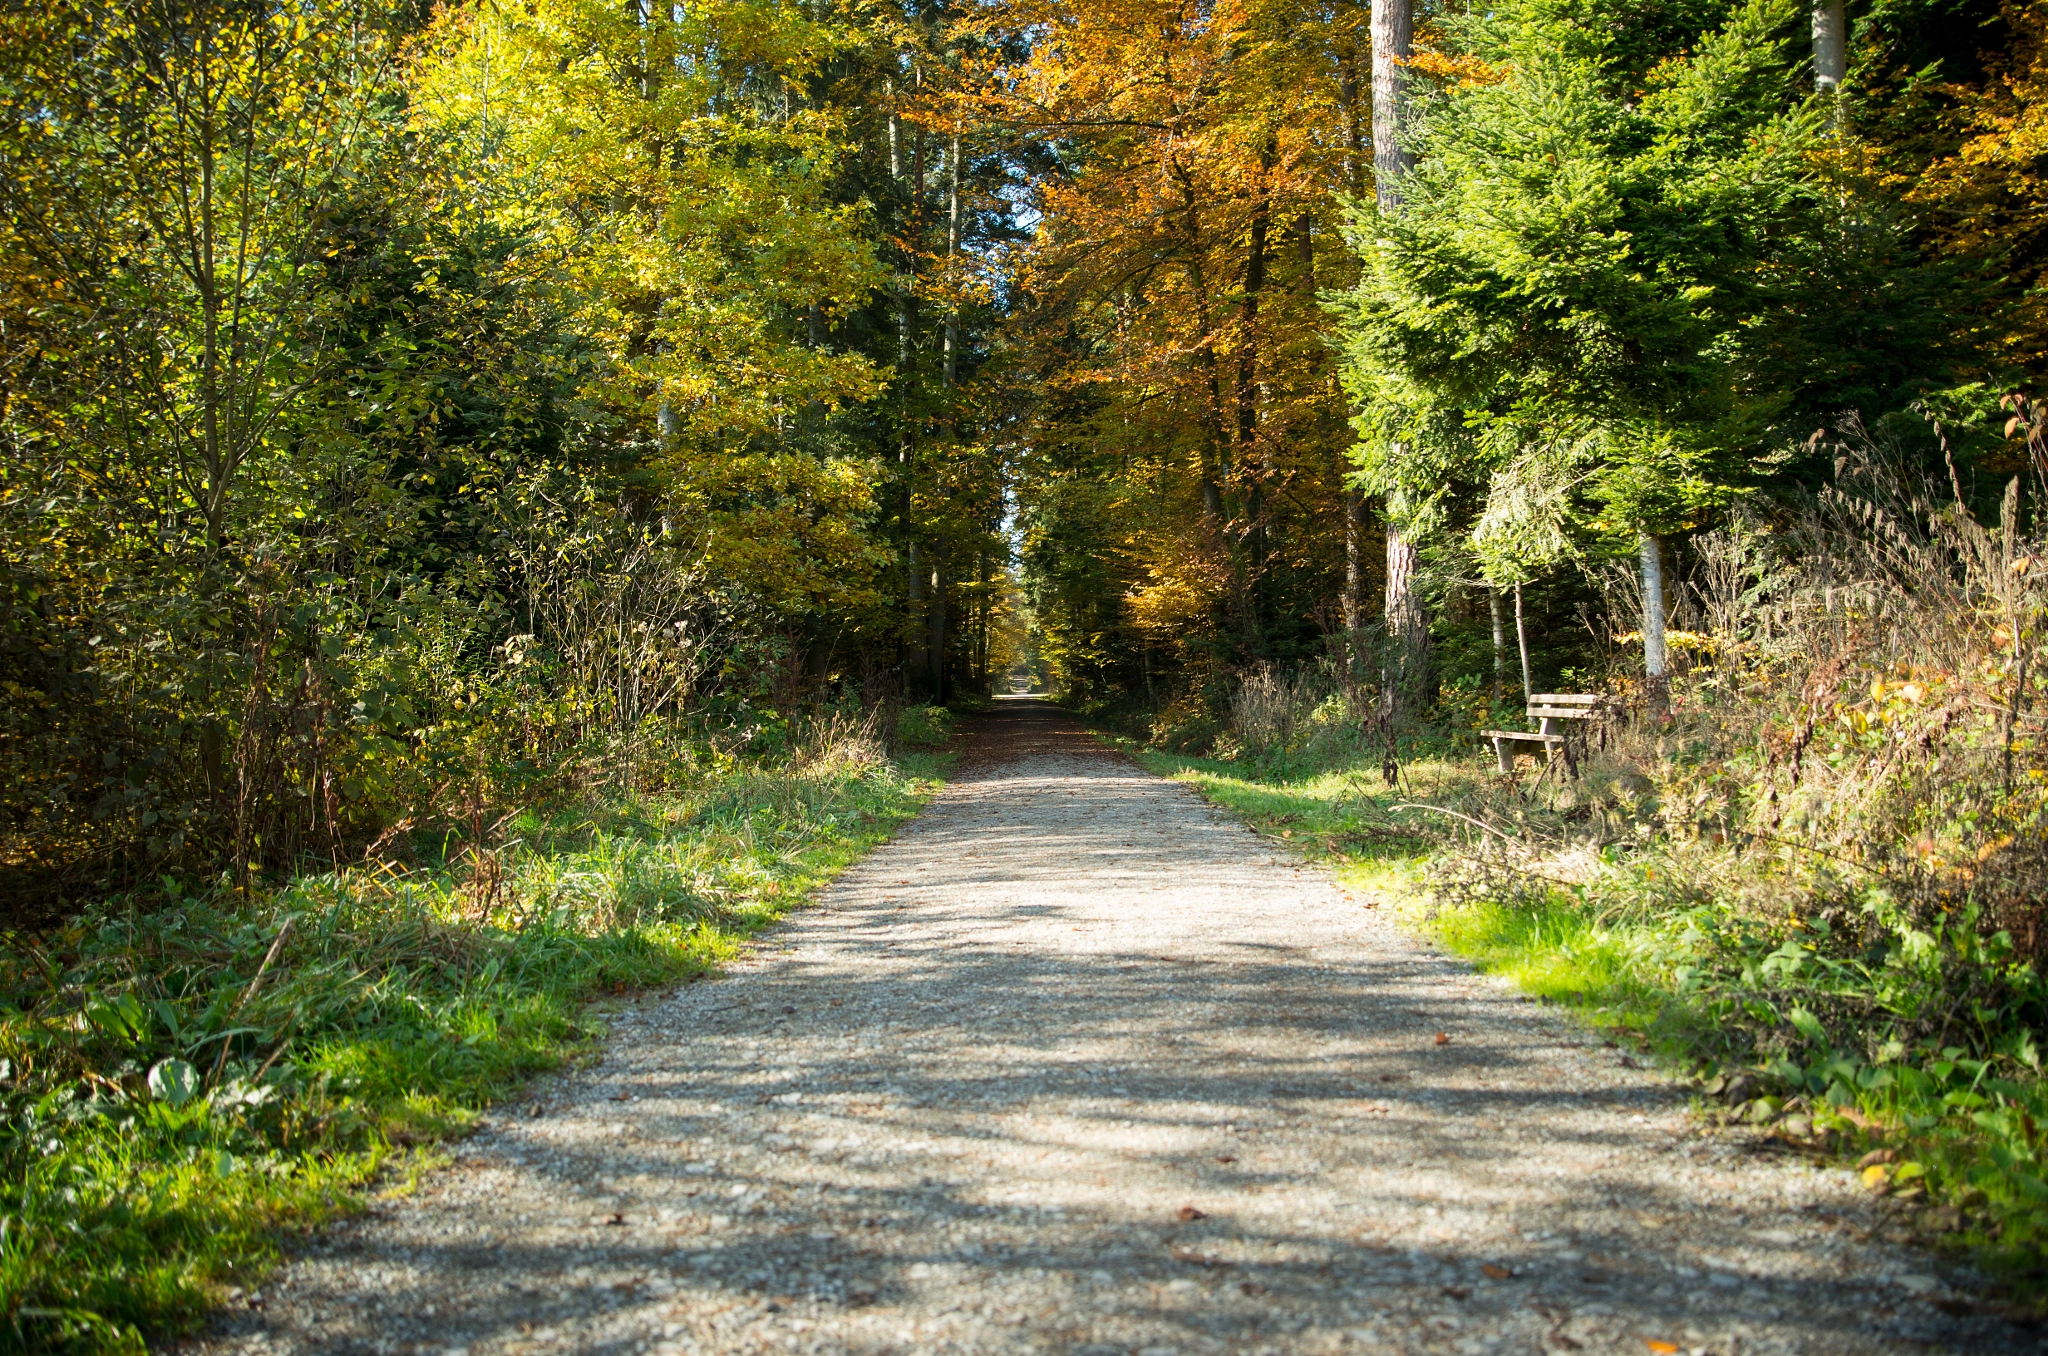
x: 1502, y: 756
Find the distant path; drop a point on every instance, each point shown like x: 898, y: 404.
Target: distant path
x: 1077, y: 1065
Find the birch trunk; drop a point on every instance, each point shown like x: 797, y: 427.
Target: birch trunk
x: 1522, y: 643
x: 1500, y: 643
x: 1653, y: 621
x: 1830, y: 45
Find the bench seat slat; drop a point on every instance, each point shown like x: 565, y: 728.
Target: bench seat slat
x: 1561, y: 713
x: 1568, y: 699
x: 1529, y: 735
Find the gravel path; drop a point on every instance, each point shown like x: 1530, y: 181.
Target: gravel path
x: 1078, y: 1065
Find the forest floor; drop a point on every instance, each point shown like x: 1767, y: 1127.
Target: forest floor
x: 1079, y: 1064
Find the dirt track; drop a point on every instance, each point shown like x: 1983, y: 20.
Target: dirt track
x: 1078, y: 1065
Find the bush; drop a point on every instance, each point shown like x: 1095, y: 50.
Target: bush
x: 927, y: 726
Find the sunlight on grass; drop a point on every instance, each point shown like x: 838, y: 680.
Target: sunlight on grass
x: 165, y: 1118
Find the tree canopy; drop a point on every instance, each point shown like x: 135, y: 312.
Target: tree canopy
x: 402, y: 401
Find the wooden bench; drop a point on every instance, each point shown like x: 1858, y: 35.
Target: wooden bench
x: 1547, y: 709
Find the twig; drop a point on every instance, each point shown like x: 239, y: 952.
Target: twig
x: 276, y: 945
x: 1475, y: 823
x: 281, y: 1047
x: 1804, y: 847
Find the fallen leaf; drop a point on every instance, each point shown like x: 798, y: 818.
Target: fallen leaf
x: 615, y: 1219
x: 1663, y: 1348
x: 1252, y: 1288
x: 1497, y: 1273
x: 1189, y: 1212
x: 1876, y: 1177
x: 1876, y: 1156
x: 1443, y: 1038
x: 1567, y: 1343
x: 1457, y: 1292
x: 1225, y: 1158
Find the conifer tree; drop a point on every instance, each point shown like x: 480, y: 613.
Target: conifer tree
x: 1618, y: 236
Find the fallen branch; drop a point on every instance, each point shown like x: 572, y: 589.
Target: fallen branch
x: 1475, y: 823
x: 276, y: 945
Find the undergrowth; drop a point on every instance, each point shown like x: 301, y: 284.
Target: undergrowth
x: 183, y: 1074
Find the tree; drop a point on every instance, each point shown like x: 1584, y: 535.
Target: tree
x: 1393, y: 26
x: 172, y: 165
x: 1186, y: 228
x: 1639, y: 253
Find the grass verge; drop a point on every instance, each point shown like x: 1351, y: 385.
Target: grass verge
x: 185, y: 1076
x: 1840, y: 1025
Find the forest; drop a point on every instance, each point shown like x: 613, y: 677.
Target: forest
x: 501, y: 499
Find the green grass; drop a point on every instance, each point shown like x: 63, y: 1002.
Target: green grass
x: 1554, y: 952
x: 168, y: 1116
x: 1811, y: 1023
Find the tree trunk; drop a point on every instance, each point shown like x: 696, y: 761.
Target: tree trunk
x: 1500, y: 643
x: 1248, y: 458
x: 1354, y: 506
x: 952, y: 249
x: 1354, y: 125
x: 1830, y: 45
x: 1215, y: 450
x: 1522, y: 643
x: 1653, y: 621
x: 895, y: 135
x: 915, y: 678
x: 938, y: 617
x: 1393, y: 31
x: 1393, y: 28
x: 1406, y: 626
x: 1355, y: 525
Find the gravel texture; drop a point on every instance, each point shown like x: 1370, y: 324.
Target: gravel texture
x: 1078, y: 1064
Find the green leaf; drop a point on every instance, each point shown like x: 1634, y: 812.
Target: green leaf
x: 173, y: 1082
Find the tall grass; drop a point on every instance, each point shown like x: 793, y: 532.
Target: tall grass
x: 181, y: 1076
